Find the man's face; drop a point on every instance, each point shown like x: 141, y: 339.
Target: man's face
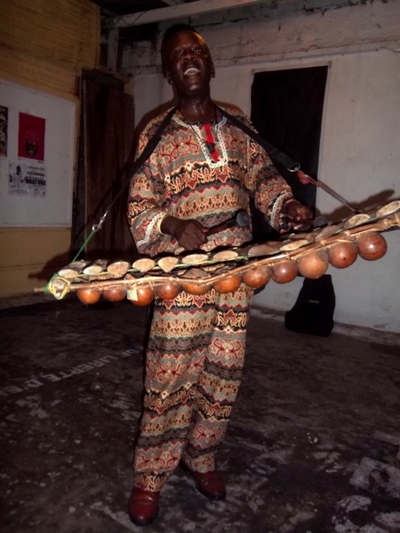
x: 189, y: 64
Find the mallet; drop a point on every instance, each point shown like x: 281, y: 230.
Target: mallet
x: 241, y: 219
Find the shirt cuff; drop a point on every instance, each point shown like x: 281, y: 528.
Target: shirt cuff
x: 159, y: 220
x: 276, y: 219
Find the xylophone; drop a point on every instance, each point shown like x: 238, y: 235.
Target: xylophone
x: 308, y: 254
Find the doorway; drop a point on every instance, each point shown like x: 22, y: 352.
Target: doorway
x: 286, y: 109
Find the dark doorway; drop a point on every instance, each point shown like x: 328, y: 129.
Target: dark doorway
x: 286, y: 109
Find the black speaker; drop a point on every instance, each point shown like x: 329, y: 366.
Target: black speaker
x: 313, y: 311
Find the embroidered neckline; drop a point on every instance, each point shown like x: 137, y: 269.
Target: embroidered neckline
x: 210, y: 162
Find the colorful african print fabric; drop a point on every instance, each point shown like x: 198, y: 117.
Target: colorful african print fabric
x: 182, y: 179
x: 196, y: 349
x: 194, y: 364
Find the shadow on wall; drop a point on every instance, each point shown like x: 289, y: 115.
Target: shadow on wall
x: 58, y: 262
x: 369, y: 204
x: 51, y: 267
x: 149, y: 116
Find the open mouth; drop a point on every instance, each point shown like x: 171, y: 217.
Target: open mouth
x: 191, y: 71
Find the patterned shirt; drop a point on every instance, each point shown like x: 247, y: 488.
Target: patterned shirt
x: 183, y: 178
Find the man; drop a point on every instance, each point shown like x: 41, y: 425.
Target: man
x: 201, y: 173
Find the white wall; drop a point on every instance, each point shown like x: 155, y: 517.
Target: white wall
x: 359, y: 155
x: 54, y: 209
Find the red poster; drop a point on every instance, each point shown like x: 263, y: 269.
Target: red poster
x: 31, y: 136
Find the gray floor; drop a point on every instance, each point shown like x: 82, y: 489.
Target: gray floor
x: 313, y: 446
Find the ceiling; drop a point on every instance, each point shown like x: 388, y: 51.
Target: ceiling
x: 124, y: 7
x: 127, y: 13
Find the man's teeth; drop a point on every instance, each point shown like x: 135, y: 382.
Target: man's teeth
x: 191, y: 70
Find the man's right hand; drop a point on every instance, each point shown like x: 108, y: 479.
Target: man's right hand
x: 190, y: 234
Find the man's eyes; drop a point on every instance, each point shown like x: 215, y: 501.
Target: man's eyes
x: 179, y: 53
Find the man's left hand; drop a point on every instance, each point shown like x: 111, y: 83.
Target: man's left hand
x: 298, y: 216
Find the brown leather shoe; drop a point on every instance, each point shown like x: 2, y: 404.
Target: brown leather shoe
x: 209, y: 484
x: 143, y: 506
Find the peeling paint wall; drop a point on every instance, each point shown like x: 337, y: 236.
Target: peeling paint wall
x: 293, y: 29
x: 359, y: 155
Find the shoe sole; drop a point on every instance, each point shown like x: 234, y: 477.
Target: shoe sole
x: 214, y: 497
x: 143, y: 522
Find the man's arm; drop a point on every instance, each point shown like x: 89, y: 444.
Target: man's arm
x: 272, y: 194
x: 146, y: 205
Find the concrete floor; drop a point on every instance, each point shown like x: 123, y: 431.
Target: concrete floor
x: 313, y: 445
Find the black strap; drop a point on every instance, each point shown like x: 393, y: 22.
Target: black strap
x: 273, y: 152
x: 148, y: 149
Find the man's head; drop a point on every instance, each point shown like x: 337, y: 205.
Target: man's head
x: 187, y: 62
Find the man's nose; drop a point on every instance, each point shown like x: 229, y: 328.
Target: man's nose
x: 188, y: 54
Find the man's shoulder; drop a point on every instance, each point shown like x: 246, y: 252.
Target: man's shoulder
x: 236, y: 112
x: 152, y: 125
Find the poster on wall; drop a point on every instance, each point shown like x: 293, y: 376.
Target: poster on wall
x: 31, y: 136
x: 3, y: 130
x: 27, y: 180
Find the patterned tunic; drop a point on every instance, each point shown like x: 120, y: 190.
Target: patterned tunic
x: 196, y: 345
x: 182, y: 179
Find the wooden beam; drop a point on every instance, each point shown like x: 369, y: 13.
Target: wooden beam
x: 112, y: 54
x: 180, y: 11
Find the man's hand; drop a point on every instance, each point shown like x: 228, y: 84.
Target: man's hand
x: 298, y: 216
x: 190, y: 234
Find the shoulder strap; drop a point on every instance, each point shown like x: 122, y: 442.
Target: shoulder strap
x: 150, y: 146
x: 273, y: 152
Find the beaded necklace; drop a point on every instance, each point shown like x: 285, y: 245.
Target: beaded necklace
x: 207, y: 148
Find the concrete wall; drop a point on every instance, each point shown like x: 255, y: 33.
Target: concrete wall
x: 43, y: 46
x: 359, y: 155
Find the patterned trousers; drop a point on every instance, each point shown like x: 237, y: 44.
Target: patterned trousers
x: 194, y: 364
